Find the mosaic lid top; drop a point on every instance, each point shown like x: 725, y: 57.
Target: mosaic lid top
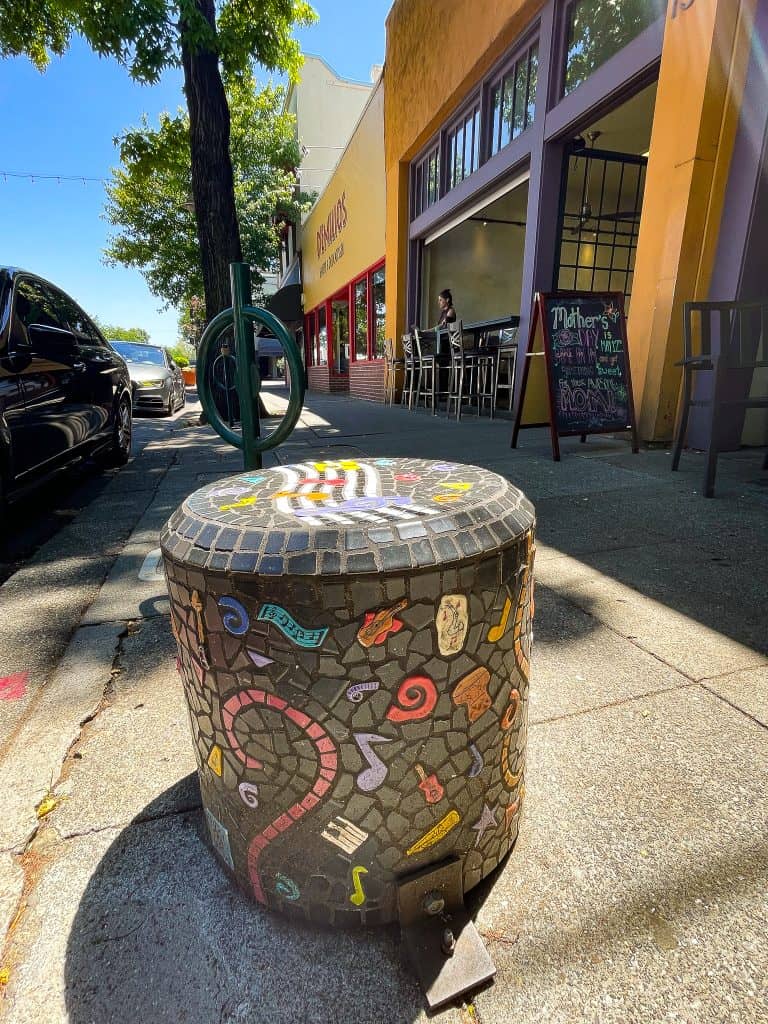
x: 347, y: 516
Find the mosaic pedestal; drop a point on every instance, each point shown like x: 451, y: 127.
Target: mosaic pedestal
x: 354, y: 639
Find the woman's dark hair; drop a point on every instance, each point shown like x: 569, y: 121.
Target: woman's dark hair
x: 446, y: 294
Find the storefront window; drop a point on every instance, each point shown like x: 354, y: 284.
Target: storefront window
x: 379, y: 311
x: 322, y: 334
x: 462, y: 147
x: 513, y: 100
x: 361, y: 319
x: 597, y: 29
x: 426, y: 181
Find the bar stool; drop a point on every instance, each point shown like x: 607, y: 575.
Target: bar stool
x: 426, y: 379
x: 411, y: 371
x: 461, y: 365
x: 505, y: 374
x: 392, y: 364
x: 487, y: 372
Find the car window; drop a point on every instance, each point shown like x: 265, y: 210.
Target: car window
x: 134, y: 352
x: 36, y: 320
x: 77, y: 321
x: 34, y: 304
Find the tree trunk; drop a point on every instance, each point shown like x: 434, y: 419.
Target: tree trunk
x: 213, y: 189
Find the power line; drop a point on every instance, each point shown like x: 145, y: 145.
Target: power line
x: 35, y: 176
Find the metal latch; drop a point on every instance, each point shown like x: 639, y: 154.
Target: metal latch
x: 444, y: 947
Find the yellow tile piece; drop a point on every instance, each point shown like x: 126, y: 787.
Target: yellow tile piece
x: 214, y: 760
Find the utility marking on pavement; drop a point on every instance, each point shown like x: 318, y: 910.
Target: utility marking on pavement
x: 14, y: 686
x: 151, y: 570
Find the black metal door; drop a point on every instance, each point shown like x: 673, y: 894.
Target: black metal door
x: 600, y: 204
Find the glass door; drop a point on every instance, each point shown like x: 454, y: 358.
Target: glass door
x: 340, y: 320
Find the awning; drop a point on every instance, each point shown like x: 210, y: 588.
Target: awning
x: 269, y: 346
x: 286, y: 303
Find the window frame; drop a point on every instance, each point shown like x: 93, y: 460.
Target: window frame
x: 507, y: 71
x: 479, y: 98
x: 367, y: 276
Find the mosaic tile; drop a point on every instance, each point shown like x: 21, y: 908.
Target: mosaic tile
x: 337, y: 746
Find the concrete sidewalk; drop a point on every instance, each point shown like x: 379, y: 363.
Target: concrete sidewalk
x: 638, y: 890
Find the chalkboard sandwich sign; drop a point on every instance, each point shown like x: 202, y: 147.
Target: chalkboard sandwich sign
x: 582, y: 337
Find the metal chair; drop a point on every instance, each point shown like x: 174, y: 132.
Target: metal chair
x: 505, y: 375
x: 487, y: 371
x: 462, y: 366
x: 411, y: 372
x: 743, y: 334
x: 392, y: 364
x: 426, y: 364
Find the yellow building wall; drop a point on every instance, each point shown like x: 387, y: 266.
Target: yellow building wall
x: 701, y: 84
x: 437, y: 50
x: 344, y: 232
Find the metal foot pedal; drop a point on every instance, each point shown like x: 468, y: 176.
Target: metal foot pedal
x: 444, y: 947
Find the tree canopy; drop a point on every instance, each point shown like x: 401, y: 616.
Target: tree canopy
x: 207, y: 39
x: 149, y: 201
x: 112, y: 332
x: 147, y: 38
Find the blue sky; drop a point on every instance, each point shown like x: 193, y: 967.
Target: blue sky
x: 64, y: 122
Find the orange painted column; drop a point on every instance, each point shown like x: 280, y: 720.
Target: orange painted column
x: 396, y: 249
x: 701, y: 83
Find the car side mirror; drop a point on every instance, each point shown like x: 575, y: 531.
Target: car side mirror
x: 45, y: 340
x: 19, y: 357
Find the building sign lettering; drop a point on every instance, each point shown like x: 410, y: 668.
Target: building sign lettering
x: 332, y: 259
x: 335, y: 223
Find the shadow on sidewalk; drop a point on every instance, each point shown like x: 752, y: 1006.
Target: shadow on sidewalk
x: 161, y: 934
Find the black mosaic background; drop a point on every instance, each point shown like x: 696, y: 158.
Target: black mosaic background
x: 300, y: 871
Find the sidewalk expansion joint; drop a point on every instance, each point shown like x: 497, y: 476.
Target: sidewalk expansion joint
x: 146, y: 819
x: 633, y: 698
x: 735, y: 707
x: 622, y: 636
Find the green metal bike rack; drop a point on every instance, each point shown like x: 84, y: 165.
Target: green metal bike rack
x: 240, y: 316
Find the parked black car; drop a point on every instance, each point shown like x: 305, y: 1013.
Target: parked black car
x: 156, y: 380
x: 64, y: 393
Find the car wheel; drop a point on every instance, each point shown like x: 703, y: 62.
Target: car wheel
x: 120, y: 449
x: 169, y: 409
x: 183, y: 401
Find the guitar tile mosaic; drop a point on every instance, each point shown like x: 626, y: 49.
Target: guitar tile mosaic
x: 354, y: 639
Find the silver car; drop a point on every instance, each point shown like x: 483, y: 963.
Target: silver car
x: 156, y: 381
